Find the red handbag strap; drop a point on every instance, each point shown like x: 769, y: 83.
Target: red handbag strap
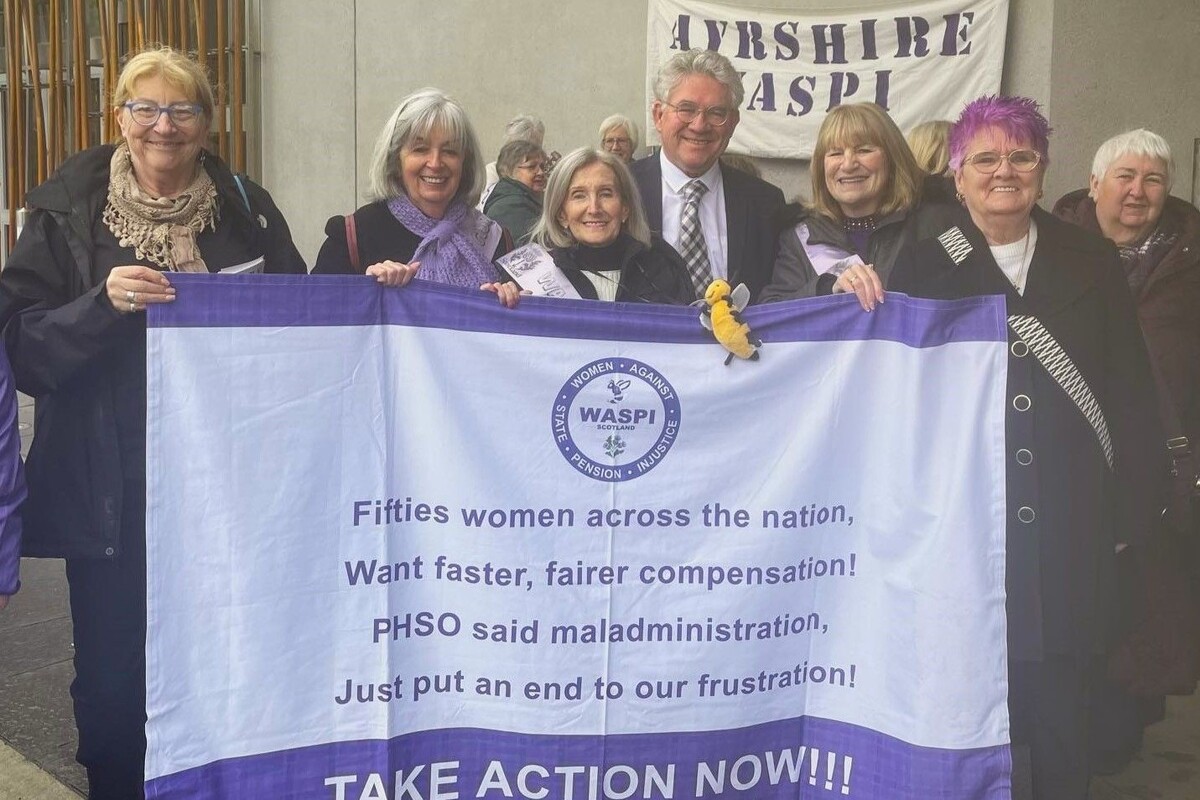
x: 352, y: 243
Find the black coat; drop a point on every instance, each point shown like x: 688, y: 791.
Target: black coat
x: 1080, y: 509
x: 83, y: 361
x: 753, y: 219
x: 654, y: 274
x: 381, y: 237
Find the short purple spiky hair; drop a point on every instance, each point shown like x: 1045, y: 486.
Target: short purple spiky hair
x: 1019, y: 117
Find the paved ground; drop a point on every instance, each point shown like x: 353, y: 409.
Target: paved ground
x: 37, y: 734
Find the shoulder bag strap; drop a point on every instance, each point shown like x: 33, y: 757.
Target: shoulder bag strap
x: 352, y: 243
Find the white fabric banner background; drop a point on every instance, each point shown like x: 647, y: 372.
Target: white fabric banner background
x: 921, y: 60
x: 268, y: 442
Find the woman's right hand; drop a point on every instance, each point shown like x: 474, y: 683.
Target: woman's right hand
x: 393, y: 273
x: 131, y: 288
x: 862, y: 281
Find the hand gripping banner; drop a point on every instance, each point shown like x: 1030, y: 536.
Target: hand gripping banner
x: 407, y: 544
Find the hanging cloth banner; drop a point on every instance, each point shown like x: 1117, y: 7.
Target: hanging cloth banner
x: 407, y: 543
x: 920, y: 60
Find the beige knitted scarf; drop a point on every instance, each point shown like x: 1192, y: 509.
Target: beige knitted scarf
x: 161, y: 230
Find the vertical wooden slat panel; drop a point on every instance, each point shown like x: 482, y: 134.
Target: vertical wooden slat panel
x: 105, y: 36
x: 137, y: 26
x: 112, y: 66
x: 79, y: 62
x: 16, y: 85
x: 29, y: 22
x: 152, y: 15
x: 11, y: 67
x: 222, y: 75
x: 200, y: 14
x: 55, y: 154
x: 237, y: 95
x: 185, y: 27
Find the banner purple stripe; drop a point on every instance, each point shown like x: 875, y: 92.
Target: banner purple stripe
x: 804, y: 757
x: 245, y: 301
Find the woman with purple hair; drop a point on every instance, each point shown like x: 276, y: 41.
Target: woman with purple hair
x: 426, y: 175
x: 1084, y: 442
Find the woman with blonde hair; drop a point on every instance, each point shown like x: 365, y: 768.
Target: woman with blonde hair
x: 931, y: 146
x: 104, y: 235
x: 865, y: 185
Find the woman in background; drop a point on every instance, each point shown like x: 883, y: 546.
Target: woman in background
x: 516, y: 201
x: 619, y: 136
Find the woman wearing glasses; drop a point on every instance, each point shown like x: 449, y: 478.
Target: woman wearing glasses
x: 1084, y: 444
x: 619, y: 136
x: 103, y: 238
x: 865, y: 183
x: 516, y: 201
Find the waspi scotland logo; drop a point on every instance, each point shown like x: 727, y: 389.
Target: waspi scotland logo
x: 615, y: 419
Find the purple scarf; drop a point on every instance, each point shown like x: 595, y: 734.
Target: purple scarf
x: 451, y: 249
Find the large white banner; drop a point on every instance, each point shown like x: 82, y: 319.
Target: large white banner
x: 405, y: 543
x: 920, y: 60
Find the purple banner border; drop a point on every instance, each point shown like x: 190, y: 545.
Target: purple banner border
x: 837, y: 760
x: 326, y: 300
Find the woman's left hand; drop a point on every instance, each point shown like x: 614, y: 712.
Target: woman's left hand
x: 862, y: 281
x: 508, y: 292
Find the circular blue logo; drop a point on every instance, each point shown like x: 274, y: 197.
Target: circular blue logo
x: 615, y: 419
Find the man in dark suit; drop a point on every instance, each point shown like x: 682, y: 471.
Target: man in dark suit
x: 723, y: 222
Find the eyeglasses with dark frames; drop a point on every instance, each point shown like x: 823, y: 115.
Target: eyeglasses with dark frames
x: 146, y: 112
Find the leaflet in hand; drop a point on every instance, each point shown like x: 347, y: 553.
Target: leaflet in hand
x: 534, y: 270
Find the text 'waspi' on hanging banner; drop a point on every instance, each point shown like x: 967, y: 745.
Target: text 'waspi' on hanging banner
x: 919, y: 60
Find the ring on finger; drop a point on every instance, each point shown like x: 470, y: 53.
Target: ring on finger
x: 131, y: 296
x: 851, y: 280
x: 132, y: 306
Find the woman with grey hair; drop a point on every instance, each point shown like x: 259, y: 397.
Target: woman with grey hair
x: 1158, y: 238
x: 516, y: 202
x: 619, y: 136
x: 425, y: 178
x: 595, y: 228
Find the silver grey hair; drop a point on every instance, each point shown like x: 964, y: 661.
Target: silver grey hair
x: 550, y: 233
x: 698, y: 62
x: 513, y: 153
x: 1140, y: 142
x: 625, y: 123
x: 524, y: 127
x: 416, y: 116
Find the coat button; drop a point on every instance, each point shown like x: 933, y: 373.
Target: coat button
x: 1022, y: 402
x: 108, y: 551
x: 1025, y: 514
x: 1024, y: 457
x: 1019, y: 349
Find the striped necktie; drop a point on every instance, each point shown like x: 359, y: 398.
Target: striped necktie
x: 691, y: 237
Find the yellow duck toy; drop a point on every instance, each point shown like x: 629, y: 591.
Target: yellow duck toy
x: 721, y: 314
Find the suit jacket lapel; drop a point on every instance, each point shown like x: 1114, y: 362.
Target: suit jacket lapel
x: 737, y: 217
x: 650, y: 186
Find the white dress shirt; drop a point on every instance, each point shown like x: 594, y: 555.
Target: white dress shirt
x: 712, y: 212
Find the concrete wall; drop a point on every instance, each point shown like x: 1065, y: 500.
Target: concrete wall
x: 334, y: 69
x: 1119, y: 65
